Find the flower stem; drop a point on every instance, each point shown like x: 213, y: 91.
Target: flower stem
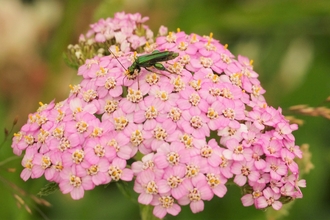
x: 146, y: 213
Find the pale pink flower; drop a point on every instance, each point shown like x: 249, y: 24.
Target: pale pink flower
x: 27, y: 163
x: 73, y: 183
x: 147, y: 162
x: 150, y: 112
x: 216, y: 120
x: 250, y: 137
x: 108, y: 106
x: 237, y: 151
x: 165, y: 204
x: 288, y: 158
x: 269, y: 198
x: 112, y: 142
x: 197, y: 192
x: 78, y: 105
x: 209, y: 152
x: 136, y: 41
x: 73, y: 156
x: 264, y: 179
x: 290, y: 145
x: 271, y: 148
x: 131, y: 103
x: 161, y: 134
x: 148, y: 80
x: 162, y: 30
x: 287, y: 190
x: 196, y: 168
x: 96, y: 149
x: 195, y: 123
x: 137, y: 17
x: 244, y: 170
x: 171, y: 155
x: 146, y: 186
x: 41, y: 163
x: 26, y: 138
x: 90, y: 66
x: 216, y: 182
x: 135, y: 137
x: 164, y: 92
x: 234, y: 130
x: 190, y: 99
x: 276, y: 168
x: 259, y: 118
x: 251, y: 198
x: 81, y: 124
x: 110, y: 84
x: 118, y: 171
x: 257, y: 155
x: 292, y: 186
x: 282, y: 130
x: 53, y: 172
x: 17, y: 140
x: 225, y: 165
x: 172, y: 181
x: 94, y: 173
x: 275, y: 185
x: 120, y: 120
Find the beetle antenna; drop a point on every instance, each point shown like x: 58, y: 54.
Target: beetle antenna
x: 119, y: 63
x: 117, y: 59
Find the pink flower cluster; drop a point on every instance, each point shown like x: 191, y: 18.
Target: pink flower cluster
x: 190, y: 129
x: 127, y: 30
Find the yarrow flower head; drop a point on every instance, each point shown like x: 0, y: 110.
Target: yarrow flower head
x: 197, y: 116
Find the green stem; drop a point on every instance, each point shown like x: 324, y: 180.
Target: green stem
x: 10, y: 159
x: 146, y: 212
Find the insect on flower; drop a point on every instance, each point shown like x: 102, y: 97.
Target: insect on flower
x: 148, y: 60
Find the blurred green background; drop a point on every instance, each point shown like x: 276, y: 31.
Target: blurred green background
x: 289, y: 41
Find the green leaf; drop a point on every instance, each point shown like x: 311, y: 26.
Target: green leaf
x: 70, y: 63
x: 127, y: 191
x: 48, y: 189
